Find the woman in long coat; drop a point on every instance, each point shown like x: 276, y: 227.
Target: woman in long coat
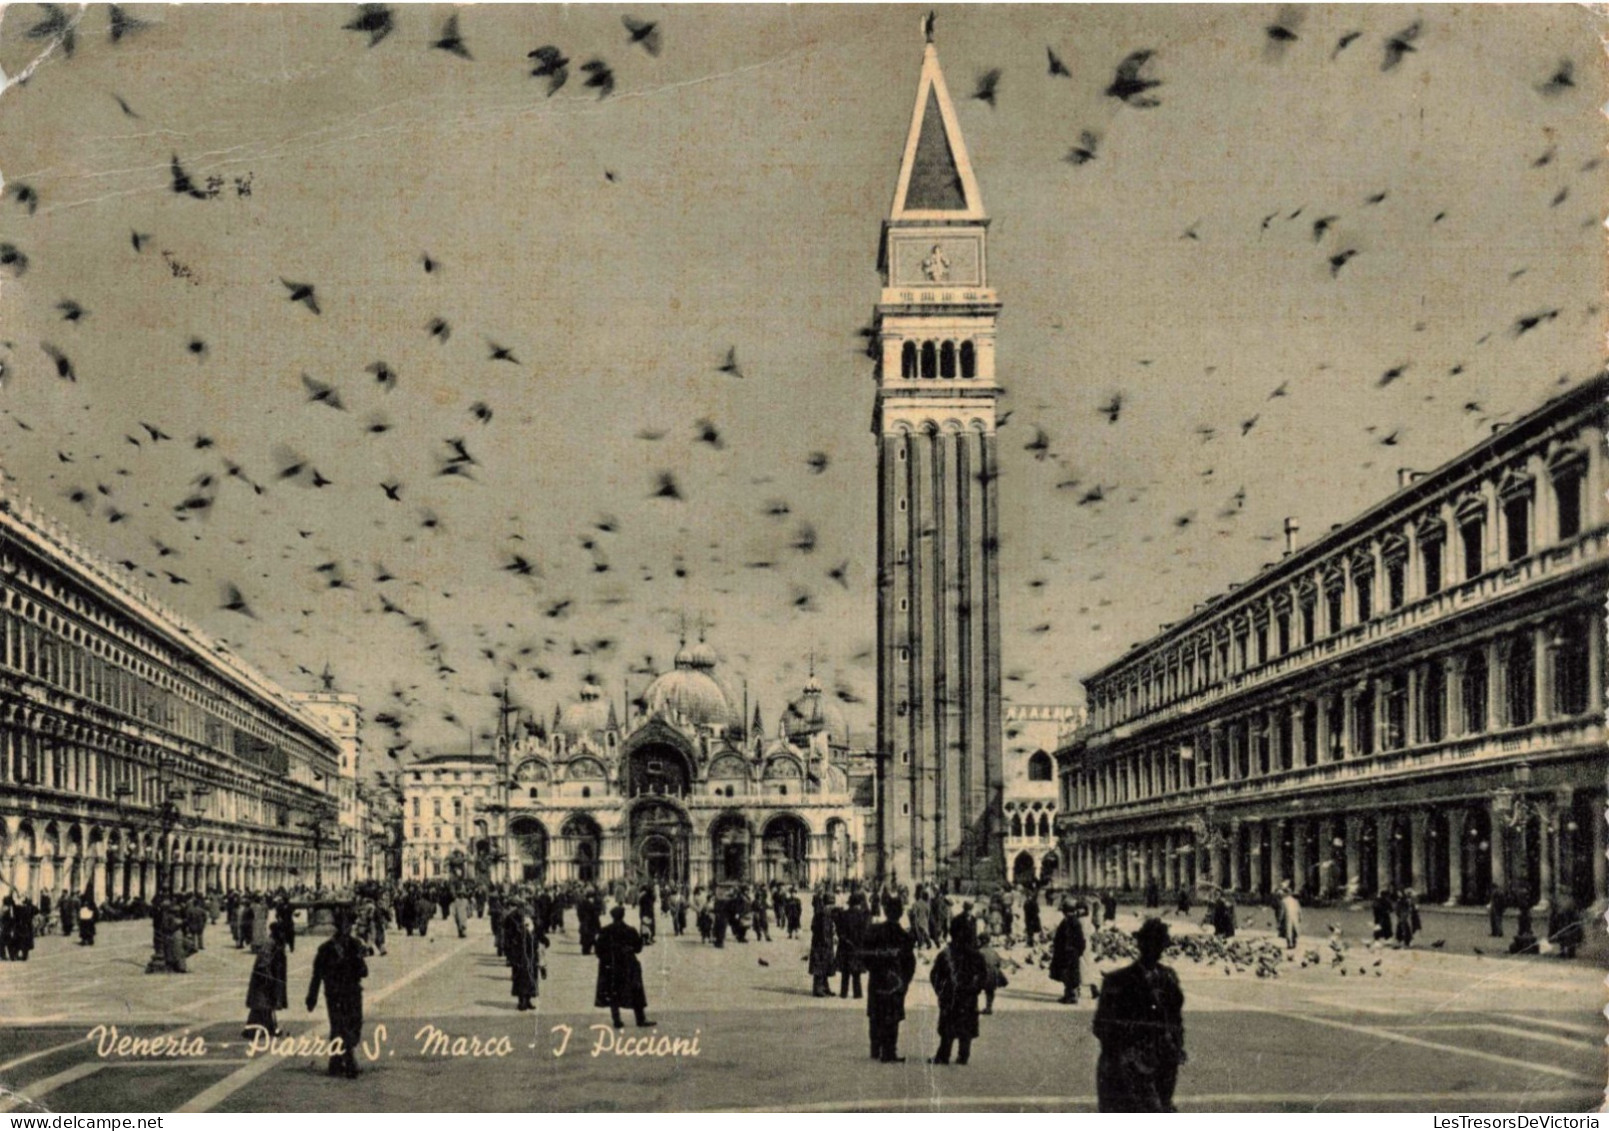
x: 526, y: 937
x: 266, y: 992
x: 822, y: 943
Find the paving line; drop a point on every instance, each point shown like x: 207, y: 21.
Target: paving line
x: 50, y: 1084
x: 239, y: 1078
x: 1599, y: 1031
x: 1508, y: 1030
x: 1403, y: 1038
x: 1378, y: 1101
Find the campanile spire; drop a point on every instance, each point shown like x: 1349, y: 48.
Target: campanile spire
x: 938, y: 713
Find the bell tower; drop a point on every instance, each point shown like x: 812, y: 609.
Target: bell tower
x: 938, y: 595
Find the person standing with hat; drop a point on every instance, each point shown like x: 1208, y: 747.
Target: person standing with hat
x: 1067, y: 951
x: 619, y: 972
x: 889, y: 955
x: 339, y: 968
x: 1140, y: 1025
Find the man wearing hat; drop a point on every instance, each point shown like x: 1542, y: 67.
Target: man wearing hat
x: 1067, y: 951
x: 340, y: 968
x: 889, y: 954
x: 1140, y: 1025
x: 620, y: 984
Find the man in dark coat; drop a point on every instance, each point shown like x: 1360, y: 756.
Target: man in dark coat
x: 525, y: 938
x: 645, y: 914
x: 286, y: 917
x: 1067, y: 953
x: 619, y: 972
x: 1031, y: 925
x: 959, y: 976
x: 587, y: 914
x: 339, y: 968
x: 889, y: 954
x: 1140, y: 1025
x: 424, y: 910
x: 852, y: 926
x: 794, y: 910
x: 822, y: 940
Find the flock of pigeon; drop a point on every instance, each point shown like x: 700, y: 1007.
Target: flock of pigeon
x: 566, y: 603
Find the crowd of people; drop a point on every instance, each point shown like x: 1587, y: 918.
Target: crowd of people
x: 868, y: 938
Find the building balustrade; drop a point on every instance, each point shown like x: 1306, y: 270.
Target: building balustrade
x: 1548, y: 562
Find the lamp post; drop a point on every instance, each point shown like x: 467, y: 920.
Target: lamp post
x: 1204, y: 829
x: 169, y: 813
x: 1514, y: 809
x: 315, y: 831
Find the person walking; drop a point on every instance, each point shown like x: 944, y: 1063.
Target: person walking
x: 1031, y: 922
x: 890, y: 958
x: 1494, y: 912
x: 339, y: 968
x: 822, y: 943
x: 620, y: 982
x: 794, y: 910
x: 994, y: 979
x: 424, y: 910
x: 1408, y: 924
x: 1067, y: 952
x: 762, y: 918
x: 1382, y: 915
x: 1290, y: 915
x: 959, y: 975
x: 460, y: 909
x: 1140, y: 1025
x: 267, y: 989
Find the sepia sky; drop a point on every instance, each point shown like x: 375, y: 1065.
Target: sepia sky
x: 728, y: 195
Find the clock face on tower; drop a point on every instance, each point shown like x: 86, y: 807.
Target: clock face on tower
x: 926, y: 260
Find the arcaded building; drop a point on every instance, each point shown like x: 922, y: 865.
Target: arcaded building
x: 1033, y: 732
x: 131, y: 742
x: 1415, y: 699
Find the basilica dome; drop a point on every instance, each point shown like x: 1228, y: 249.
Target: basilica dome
x: 693, y: 690
x: 589, y: 716
x: 812, y: 713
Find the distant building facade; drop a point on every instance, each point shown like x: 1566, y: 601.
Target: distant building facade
x: 684, y: 791
x: 348, y: 836
x: 130, y: 740
x: 1033, y: 733
x: 1413, y: 700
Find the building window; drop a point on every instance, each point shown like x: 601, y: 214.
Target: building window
x: 415, y: 806
x: 1335, y: 721
x: 1521, y: 680
x: 1475, y: 688
x: 1517, y: 525
x: 1262, y: 644
x: 904, y: 654
x: 930, y: 360
x: 1039, y: 766
x: 1363, y: 585
x: 1396, y: 583
x: 1309, y: 619
x: 907, y: 360
x: 905, y: 757
x: 586, y: 791
x: 904, y: 604
x: 458, y: 809
x: 1363, y: 722
x: 1567, y: 500
x: 1570, y: 689
x: 1333, y: 603
x: 1472, y: 534
x: 947, y: 360
x: 905, y: 808
x: 1430, y: 553
x: 1282, y: 632
x: 902, y: 505
x: 1395, y: 735
x: 969, y: 360
x: 435, y: 806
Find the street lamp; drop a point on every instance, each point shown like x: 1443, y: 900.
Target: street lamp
x: 169, y: 814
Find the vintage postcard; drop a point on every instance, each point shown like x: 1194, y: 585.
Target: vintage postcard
x: 802, y: 558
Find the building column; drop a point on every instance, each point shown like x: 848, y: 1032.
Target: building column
x: 1453, y: 700
x: 1418, y: 847
x: 1322, y: 731
x: 1298, y: 737
x: 1455, y: 855
x: 1326, y: 856
x: 1496, y: 685
x: 1354, y: 840
x: 1542, y: 650
x: 1547, y: 840
x: 1498, y: 847
x: 1595, y: 631
x: 1600, y: 862
x: 1413, y: 726
x: 1299, y: 866
x: 1382, y: 850
x: 1349, y: 727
